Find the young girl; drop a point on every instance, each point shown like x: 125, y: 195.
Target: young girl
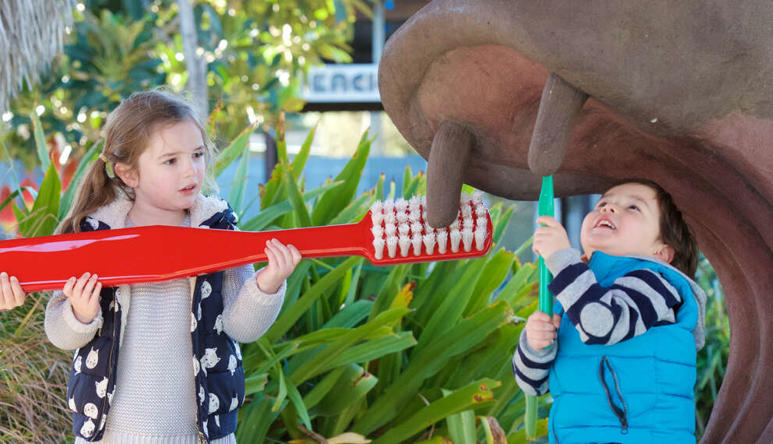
x: 159, y: 362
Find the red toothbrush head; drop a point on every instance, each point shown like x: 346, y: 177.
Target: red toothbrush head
x: 401, y: 234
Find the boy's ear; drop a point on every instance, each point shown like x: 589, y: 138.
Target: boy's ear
x: 665, y: 253
x: 128, y: 175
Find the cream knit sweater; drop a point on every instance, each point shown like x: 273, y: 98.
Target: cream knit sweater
x: 154, y: 399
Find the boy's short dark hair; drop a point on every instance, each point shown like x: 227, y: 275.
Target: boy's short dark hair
x: 674, y: 231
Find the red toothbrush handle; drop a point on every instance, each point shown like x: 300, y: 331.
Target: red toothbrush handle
x: 157, y: 253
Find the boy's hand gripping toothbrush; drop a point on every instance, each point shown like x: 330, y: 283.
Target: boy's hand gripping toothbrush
x: 392, y: 232
x: 559, y: 106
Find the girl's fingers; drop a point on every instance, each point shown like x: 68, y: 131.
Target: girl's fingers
x: 94, y: 299
x: 78, y: 288
x: 295, y: 254
x: 6, y: 295
x: 89, y: 287
x: 67, y: 290
x: 270, y: 254
x: 18, y: 293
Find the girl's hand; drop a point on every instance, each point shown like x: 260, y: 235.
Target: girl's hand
x: 281, y: 262
x: 84, y: 296
x: 541, y: 330
x: 11, y: 294
x: 550, y: 237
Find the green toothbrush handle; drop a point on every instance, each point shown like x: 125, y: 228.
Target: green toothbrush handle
x: 545, y: 298
x: 545, y: 208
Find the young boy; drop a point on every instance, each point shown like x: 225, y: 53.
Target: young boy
x: 628, y: 324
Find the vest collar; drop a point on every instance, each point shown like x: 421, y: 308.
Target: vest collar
x: 114, y: 214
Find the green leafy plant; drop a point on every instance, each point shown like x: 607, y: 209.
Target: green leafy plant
x: 712, y: 360
x: 407, y: 353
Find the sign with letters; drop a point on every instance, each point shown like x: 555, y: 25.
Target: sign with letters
x: 345, y: 83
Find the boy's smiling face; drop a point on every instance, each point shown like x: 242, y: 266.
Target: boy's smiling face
x: 626, y: 221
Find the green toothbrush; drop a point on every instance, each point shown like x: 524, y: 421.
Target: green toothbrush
x: 544, y: 208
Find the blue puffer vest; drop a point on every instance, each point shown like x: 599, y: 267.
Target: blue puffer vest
x: 636, y: 391
x: 216, y: 359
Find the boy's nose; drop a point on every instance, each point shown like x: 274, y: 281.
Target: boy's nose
x: 608, y: 208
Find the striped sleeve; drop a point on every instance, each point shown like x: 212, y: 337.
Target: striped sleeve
x: 635, y: 303
x: 531, y: 367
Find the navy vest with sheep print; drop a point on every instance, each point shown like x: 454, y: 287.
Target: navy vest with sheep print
x: 216, y: 359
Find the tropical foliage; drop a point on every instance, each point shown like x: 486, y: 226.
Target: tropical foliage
x: 394, y: 354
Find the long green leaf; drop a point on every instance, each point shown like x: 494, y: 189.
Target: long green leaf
x: 465, y: 335
x: 334, y: 201
x: 237, y: 147
x: 296, y: 199
x: 315, y: 366
x: 289, y: 317
x: 352, y: 386
x: 452, y: 307
x: 256, y: 419
x: 461, y: 426
x: 42, y: 219
x: 295, y: 399
x: 270, y: 214
x: 491, y: 277
x: 374, y: 349
x: 85, y: 162
x: 239, y: 184
x: 299, y: 161
x: 471, y: 396
x: 40, y: 142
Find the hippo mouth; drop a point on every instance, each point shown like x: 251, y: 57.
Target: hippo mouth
x: 497, y: 93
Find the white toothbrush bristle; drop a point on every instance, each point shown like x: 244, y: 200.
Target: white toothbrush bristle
x: 480, y: 238
x: 405, y: 244
x: 400, y: 227
x: 442, y: 240
x: 391, y: 242
x: 467, y: 237
x: 429, y: 242
x: 378, y: 245
x: 400, y: 205
x: 466, y: 211
x: 390, y: 229
x: 416, y: 242
x: 456, y: 237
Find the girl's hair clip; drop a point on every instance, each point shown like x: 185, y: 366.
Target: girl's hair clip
x: 109, y: 170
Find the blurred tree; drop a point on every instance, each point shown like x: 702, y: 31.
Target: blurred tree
x: 254, y: 54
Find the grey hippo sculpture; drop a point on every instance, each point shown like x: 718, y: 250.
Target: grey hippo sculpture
x: 677, y: 92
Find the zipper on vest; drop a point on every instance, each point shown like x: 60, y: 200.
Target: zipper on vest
x: 620, y: 413
x: 110, y: 363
